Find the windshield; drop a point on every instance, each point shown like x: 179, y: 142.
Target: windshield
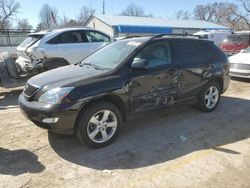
x: 109, y: 57
x: 31, y: 39
x: 237, y: 38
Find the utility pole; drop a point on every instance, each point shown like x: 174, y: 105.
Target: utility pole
x: 103, y: 7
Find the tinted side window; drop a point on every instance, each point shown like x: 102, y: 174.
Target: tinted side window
x: 156, y: 54
x: 94, y: 36
x: 69, y: 37
x: 186, y: 52
x: 212, y: 52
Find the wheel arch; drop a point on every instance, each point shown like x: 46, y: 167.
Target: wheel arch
x: 218, y: 80
x: 111, y: 98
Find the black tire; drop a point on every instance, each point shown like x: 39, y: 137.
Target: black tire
x: 82, y: 124
x: 10, y: 65
x: 202, y: 100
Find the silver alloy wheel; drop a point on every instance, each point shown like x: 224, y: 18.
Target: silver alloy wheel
x: 211, y: 97
x: 102, y: 126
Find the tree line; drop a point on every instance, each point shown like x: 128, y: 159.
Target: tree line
x: 235, y: 16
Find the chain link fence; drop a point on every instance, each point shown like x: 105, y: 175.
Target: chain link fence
x: 13, y: 37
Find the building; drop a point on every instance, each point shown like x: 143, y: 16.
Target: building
x: 122, y: 26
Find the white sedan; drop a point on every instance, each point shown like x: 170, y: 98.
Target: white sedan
x: 240, y: 64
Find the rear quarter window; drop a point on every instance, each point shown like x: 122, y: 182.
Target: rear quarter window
x: 31, y: 39
x: 186, y: 52
x: 212, y: 52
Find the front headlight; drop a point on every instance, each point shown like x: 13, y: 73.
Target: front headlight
x: 55, y: 96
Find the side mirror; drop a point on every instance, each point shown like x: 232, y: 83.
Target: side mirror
x: 139, y: 64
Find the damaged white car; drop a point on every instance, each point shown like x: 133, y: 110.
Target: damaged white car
x: 47, y: 50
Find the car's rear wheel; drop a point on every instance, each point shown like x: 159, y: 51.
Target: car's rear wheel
x: 98, y: 124
x: 209, y: 97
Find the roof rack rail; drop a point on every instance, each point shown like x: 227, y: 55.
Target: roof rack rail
x: 134, y: 36
x: 162, y: 35
x: 174, y: 34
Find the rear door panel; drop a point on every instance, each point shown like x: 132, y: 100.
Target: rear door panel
x: 193, y: 67
x: 73, y: 46
x: 74, y: 52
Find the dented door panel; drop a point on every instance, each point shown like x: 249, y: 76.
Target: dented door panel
x: 153, y: 89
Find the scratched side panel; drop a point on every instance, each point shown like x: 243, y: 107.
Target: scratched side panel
x: 153, y: 89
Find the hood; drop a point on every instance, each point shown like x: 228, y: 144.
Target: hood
x: 242, y: 58
x: 64, y: 76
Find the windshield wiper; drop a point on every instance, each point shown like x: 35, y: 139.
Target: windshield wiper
x: 92, y: 65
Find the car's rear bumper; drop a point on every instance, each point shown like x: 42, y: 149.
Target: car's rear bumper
x: 37, y: 112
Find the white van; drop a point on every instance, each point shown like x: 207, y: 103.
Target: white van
x: 215, y: 35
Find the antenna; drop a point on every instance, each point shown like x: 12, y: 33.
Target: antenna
x: 103, y: 7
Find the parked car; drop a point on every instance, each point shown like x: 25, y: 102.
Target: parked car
x: 218, y: 36
x: 92, y: 98
x: 240, y: 64
x: 236, y: 42
x: 47, y: 50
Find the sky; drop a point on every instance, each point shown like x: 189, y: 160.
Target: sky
x: 71, y: 8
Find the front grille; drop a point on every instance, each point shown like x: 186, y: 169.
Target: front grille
x: 30, y: 90
x: 240, y: 66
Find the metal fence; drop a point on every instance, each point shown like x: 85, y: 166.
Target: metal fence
x: 12, y: 37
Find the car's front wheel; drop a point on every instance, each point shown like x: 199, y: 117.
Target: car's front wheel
x: 209, y: 97
x: 98, y: 125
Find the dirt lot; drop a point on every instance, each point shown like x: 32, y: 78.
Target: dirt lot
x: 177, y: 147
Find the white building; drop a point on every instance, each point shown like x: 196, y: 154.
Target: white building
x: 121, y: 26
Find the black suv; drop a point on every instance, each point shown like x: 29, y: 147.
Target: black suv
x: 93, y: 97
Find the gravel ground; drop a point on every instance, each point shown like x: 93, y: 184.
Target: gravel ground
x: 174, y: 147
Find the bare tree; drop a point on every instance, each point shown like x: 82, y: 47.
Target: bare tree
x: 242, y: 18
x: 85, y: 13
x: 48, y: 16
x: 8, y: 10
x: 206, y: 12
x: 182, y: 15
x: 227, y: 14
x: 224, y: 15
x: 23, y: 25
x: 246, y: 5
x: 40, y: 27
x: 66, y: 22
x: 134, y: 10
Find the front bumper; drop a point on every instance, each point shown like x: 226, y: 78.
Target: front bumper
x: 239, y: 73
x: 37, y: 112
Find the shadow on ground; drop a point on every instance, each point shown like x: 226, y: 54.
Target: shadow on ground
x: 155, y: 137
x: 17, y: 162
x: 9, y: 98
